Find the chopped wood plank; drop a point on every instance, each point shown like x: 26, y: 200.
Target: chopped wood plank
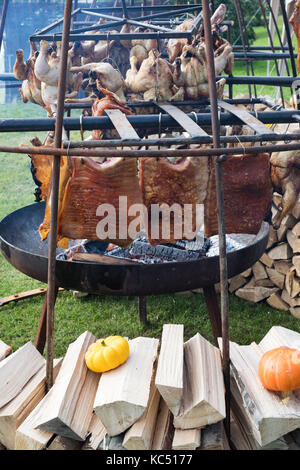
x: 96, y: 434
x: 292, y: 283
x: 164, y: 432
x: 68, y: 406
x: 259, y: 271
x: 296, y: 246
x: 281, y: 233
x: 296, y: 210
x: 97, y: 258
x: 291, y: 238
x: 270, y: 417
x: 17, y: 369
x: 263, y: 283
x: 140, y: 435
x: 266, y: 260
x: 289, y: 221
x: 5, y: 350
x: 276, y: 277
x: 255, y: 294
x: 273, y: 238
x: 292, y: 302
x: 281, y: 251
x: 276, y: 301
x: 186, y: 439
x: 247, y: 272
x: 123, y: 393
x: 169, y: 374
x: 203, y: 399
x: 112, y: 442
x: 16, y: 410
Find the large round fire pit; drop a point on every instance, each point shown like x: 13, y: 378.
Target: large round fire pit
x: 20, y: 244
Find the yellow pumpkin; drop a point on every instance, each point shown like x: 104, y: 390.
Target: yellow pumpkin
x: 106, y: 354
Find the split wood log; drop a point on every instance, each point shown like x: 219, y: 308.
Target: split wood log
x: 296, y: 263
x: 164, y: 431
x: 64, y: 443
x: 213, y: 437
x: 296, y: 246
x: 259, y: 271
x: 236, y: 282
x: 296, y: 210
x: 264, y: 283
x: 289, y: 221
x: 140, y: 435
x: 292, y: 283
x: 186, y: 439
x: 295, y: 311
x: 270, y: 417
x: 276, y: 277
x: 291, y: 238
x: 281, y: 251
x: 266, y: 260
x: 96, y: 434
x: 255, y: 294
x: 27, y: 437
x: 281, y: 233
x: 16, y: 410
x: 292, y: 302
x: 17, y: 369
x: 296, y: 230
x: 112, y: 442
x: 273, y: 238
x: 282, y: 266
x: 123, y: 393
x: 5, y: 350
x: 276, y: 301
x: 169, y: 374
x: 277, y: 198
x: 247, y: 272
x: 203, y: 399
x: 68, y: 406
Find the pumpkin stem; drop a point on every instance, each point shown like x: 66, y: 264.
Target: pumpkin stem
x: 103, y: 343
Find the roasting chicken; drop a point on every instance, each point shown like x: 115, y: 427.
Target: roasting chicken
x: 285, y: 173
x: 190, y: 73
x: 24, y: 71
x: 175, y: 45
x: 108, y: 76
x: 295, y: 22
x: 153, y: 78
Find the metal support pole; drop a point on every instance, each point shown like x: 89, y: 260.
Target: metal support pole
x: 3, y: 18
x: 54, y: 196
x: 220, y: 205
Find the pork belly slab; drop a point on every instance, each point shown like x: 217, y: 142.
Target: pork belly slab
x: 182, y: 183
x: 247, y: 194
x: 94, y: 184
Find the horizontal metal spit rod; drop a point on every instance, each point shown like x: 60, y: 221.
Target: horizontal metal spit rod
x: 149, y: 121
x: 109, y: 153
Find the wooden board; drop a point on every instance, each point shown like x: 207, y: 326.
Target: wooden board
x: 186, y: 439
x: 17, y: 369
x: 169, y: 374
x: 123, y: 393
x: 203, y: 399
x: 68, y: 406
x: 164, y: 431
x: 269, y: 415
x: 5, y: 350
x: 96, y: 434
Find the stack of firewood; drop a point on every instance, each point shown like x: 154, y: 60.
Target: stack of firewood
x: 169, y: 394
x: 275, y: 277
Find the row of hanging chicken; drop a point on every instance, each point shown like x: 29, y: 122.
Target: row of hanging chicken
x: 178, y: 75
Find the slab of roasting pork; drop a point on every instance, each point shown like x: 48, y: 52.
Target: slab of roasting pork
x: 24, y: 71
x: 165, y: 182
x: 247, y: 194
x: 295, y: 22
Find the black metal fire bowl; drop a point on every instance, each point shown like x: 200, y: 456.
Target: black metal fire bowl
x: 21, y: 245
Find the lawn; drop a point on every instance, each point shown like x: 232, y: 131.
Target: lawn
x: 107, y: 315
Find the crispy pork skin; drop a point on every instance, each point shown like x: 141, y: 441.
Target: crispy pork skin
x: 94, y: 184
x: 180, y: 183
x: 247, y: 194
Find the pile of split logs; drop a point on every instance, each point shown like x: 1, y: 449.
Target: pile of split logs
x: 169, y: 394
x: 275, y: 277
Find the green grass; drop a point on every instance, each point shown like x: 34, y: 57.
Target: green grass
x: 109, y: 315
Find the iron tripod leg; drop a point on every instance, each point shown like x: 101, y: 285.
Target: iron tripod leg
x: 40, y: 337
x: 213, y: 311
x: 142, y: 310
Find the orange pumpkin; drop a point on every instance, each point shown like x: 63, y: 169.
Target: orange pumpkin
x: 279, y: 369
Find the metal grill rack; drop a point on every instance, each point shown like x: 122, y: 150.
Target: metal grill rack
x: 203, y: 124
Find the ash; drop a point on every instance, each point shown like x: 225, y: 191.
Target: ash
x: 234, y: 241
